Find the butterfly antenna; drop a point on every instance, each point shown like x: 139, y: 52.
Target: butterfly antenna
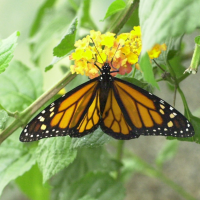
x: 96, y: 49
x: 96, y: 56
x: 113, y: 59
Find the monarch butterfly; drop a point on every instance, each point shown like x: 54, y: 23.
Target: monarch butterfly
x: 122, y: 110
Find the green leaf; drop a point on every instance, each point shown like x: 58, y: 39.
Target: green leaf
x: 196, y: 125
x: 197, y: 40
x: 167, y: 153
x: 176, y: 64
x: 7, y: 47
x: 53, y: 154
x: 67, y: 43
x: 19, y: 86
x: 156, y: 20
x: 98, y: 138
x: 49, y: 67
x: 98, y: 185
x: 60, y: 16
x: 115, y: 7
x: 15, y: 160
x: 88, y: 159
x: 134, y: 19
x: 48, y: 4
x: 3, y: 118
x: 173, y: 47
x: 35, y: 191
x: 148, y: 70
x: 66, y: 46
x: 87, y: 197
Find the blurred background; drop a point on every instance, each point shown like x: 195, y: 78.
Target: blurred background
x: 183, y: 168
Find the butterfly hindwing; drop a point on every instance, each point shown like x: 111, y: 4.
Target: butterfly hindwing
x: 75, y: 114
x: 113, y: 121
x: 147, y: 114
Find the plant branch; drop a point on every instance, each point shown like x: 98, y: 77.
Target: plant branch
x: 122, y: 17
x: 145, y: 168
x: 24, y: 116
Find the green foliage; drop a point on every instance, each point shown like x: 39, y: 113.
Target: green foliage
x: 15, y: 160
x: 197, y: 40
x: 19, y: 86
x: 146, y: 66
x: 99, y: 185
x: 167, y: 153
x: 37, y: 190
x: 95, y: 160
x: 95, y: 139
x: 65, y: 46
x: 67, y: 43
x: 154, y: 16
x: 115, y: 7
x: 87, y: 168
x: 7, y: 47
x: 53, y: 155
x: 86, y: 20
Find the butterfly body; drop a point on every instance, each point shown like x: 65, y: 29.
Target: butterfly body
x: 122, y: 110
x: 105, y: 83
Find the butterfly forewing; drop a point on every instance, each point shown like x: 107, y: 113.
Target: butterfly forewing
x: 75, y: 113
x: 147, y: 114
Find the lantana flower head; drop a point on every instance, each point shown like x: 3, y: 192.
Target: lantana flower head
x: 120, y: 52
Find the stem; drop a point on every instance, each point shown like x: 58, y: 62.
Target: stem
x: 175, y: 90
x: 147, y: 169
x: 174, y: 186
x: 34, y: 107
x: 158, y: 65
x: 73, y: 5
x: 187, y: 111
x: 120, y: 148
x: 123, y: 16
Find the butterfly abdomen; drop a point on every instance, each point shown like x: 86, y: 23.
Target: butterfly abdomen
x: 106, y: 81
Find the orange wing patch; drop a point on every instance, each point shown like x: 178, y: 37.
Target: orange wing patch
x: 75, y: 114
x: 72, y: 108
x: 113, y: 120
x: 92, y: 117
x: 140, y: 109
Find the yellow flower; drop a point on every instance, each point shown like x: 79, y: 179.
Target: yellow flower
x: 136, y: 31
x: 87, y: 55
x: 132, y: 58
x: 126, y: 50
x: 120, y: 52
x: 156, y: 51
x: 77, y: 55
x: 108, y: 39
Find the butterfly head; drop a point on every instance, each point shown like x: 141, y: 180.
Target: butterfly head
x: 106, y: 69
x: 105, y: 76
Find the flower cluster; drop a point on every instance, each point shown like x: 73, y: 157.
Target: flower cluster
x: 120, y: 52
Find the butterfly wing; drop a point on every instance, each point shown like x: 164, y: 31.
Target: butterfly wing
x: 113, y: 120
x: 143, y: 113
x: 76, y: 114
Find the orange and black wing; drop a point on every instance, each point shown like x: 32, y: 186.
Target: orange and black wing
x: 114, y: 122
x: 131, y: 111
x: 76, y: 114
